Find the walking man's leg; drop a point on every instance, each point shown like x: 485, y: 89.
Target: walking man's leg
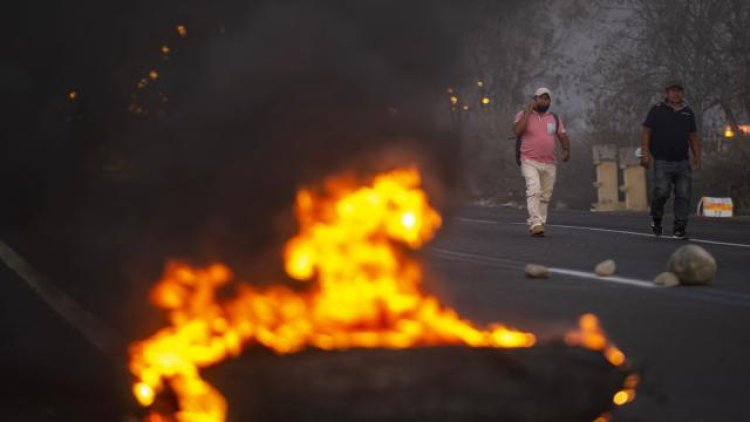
x: 682, y: 194
x: 659, y: 194
x: 533, y: 194
x: 547, y: 176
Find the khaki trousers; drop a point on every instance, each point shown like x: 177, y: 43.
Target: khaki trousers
x: 540, y: 178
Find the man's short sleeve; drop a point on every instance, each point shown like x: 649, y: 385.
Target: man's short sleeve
x: 649, y: 122
x: 518, y: 117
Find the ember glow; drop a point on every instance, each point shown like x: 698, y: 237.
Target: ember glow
x: 353, y: 249
x: 591, y: 336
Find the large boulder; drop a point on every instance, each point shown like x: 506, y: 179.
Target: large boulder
x: 692, y: 264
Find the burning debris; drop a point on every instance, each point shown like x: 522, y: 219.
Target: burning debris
x: 353, y: 247
x: 447, y: 383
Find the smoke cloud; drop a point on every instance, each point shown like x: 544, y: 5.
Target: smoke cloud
x: 262, y: 99
x: 300, y: 91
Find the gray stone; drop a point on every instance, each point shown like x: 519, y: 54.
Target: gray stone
x: 605, y: 268
x: 692, y: 264
x: 536, y: 271
x: 667, y: 279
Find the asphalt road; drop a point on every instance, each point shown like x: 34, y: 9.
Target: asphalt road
x: 688, y: 343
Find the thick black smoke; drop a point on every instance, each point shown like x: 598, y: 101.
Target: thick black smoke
x: 300, y: 92
x: 263, y: 98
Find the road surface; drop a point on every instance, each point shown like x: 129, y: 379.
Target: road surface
x: 688, y: 343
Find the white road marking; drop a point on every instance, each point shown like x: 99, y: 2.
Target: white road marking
x: 474, y: 220
x: 470, y: 257
x: 597, y: 229
x: 716, y: 242
x: 692, y: 239
x: 727, y: 297
x: 611, y: 279
x: 507, y: 262
x: 96, y: 332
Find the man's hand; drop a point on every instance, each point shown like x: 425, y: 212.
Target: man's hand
x: 696, y: 163
x: 645, y: 161
x: 566, y: 155
x: 531, y: 106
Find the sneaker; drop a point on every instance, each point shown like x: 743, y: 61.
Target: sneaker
x: 537, y: 230
x: 680, y: 233
x: 656, y: 227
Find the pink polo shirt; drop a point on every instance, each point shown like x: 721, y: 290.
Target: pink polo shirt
x: 539, y: 137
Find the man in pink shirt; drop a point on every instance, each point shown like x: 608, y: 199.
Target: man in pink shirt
x: 537, y: 129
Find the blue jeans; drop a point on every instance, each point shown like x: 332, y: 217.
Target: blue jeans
x: 666, y: 176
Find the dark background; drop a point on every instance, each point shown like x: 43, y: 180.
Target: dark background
x: 202, y: 163
x: 97, y: 192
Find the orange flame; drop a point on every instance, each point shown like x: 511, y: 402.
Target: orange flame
x: 353, y: 245
x: 591, y: 336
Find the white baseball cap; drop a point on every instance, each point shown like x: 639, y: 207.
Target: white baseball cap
x: 542, y: 91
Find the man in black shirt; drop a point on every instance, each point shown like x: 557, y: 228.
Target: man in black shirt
x: 668, y: 133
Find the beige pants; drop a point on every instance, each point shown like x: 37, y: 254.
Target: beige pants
x: 540, y: 178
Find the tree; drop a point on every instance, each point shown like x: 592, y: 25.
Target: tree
x: 703, y: 42
x: 514, y: 46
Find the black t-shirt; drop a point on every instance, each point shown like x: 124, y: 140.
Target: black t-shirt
x: 669, y: 131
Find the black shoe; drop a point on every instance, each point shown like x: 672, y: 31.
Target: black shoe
x: 656, y: 227
x: 680, y: 233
